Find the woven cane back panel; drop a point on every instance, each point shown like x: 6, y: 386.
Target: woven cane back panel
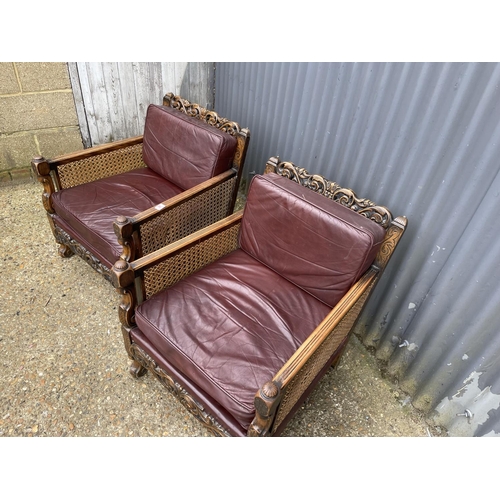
x: 100, y: 166
x: 172, y: 270
x: 301, y: 381
x: 188, y: 217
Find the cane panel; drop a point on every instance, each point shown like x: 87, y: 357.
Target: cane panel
x: 188, y: 261
x: 100, y: 166
x: 193, y: 214
x: 292, y: 392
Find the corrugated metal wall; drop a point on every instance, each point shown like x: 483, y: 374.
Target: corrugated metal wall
x: 423, y: 139
x: 112, y: 98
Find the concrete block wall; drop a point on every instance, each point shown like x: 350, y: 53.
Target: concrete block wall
x: 37, y: 116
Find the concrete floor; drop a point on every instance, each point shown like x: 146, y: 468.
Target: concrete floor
x: 64, y: 368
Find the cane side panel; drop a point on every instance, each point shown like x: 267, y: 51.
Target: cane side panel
x: 292, y: 392
x: 188, y: 261
x: 190, y: 216
x: 100, y: 166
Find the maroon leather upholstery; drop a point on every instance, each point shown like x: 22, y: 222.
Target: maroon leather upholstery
x: 317, y: 244
x: 183, y: 149
x: 232, y: 325
x: 88, y: 211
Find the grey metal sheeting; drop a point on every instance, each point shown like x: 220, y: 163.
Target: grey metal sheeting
x: 423, y: 139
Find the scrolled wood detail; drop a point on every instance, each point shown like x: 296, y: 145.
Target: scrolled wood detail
x: 239, y: 154
x: 392, y: 237
x: 126, y: 309
x: 195, y: 408
x: 63, y: 238
x: 346, y: 197
x: 48, y: 189
x: 197, y: 111
x: 42, y: 171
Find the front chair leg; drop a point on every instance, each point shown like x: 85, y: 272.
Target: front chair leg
x: 65, y: 251
x: 137, y: 370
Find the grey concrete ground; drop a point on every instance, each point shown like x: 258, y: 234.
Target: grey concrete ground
x: 63, y: 367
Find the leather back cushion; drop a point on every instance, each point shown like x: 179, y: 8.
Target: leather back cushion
x: 314, y: 242
x: 183, y: 149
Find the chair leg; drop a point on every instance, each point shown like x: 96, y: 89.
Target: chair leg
x: 65, y: 251
x: 137, y: 370
x: 338, y: 354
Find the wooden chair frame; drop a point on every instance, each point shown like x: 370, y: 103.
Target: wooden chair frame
x: 159, y: 225
x: 278, y: 399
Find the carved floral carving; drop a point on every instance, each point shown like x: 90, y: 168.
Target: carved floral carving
x: 63, y: 238
x: 378, y: 213
x: 390, y: 242
x: 195, y: 408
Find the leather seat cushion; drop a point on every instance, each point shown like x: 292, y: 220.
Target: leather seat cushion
x: 183, y: 149
x: 316, y: 243
x: 230, y: 327
x: 90, y: 209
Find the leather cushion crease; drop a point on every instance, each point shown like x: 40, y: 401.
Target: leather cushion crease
x: 232, y: 325
x: 91, y: 208
x: 183, y: 149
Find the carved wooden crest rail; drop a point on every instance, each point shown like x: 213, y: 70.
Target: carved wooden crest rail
x: 347, y: 197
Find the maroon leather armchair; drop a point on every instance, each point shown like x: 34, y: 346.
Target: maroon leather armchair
x: 128, y: 198
x: 241, y: 319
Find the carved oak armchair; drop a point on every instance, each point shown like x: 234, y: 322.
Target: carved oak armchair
x: 131, y: 197
x: 241, y: 319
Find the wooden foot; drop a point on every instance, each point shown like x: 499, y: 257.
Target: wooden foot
x: 137, y: 370
x: 65, y: 251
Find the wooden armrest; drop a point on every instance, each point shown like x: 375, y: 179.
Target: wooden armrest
x: 324, y: 329
x: 177, y: 200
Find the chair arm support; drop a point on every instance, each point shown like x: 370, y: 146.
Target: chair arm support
x: 266, y: 403
x: 42, y: 170
x: 324, y: 329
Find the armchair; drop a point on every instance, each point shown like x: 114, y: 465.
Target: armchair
x: 126, y: 199
x: 241, y: 319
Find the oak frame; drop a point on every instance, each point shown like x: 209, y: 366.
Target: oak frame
x: 278, y: 399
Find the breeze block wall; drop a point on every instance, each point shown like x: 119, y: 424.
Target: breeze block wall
x: 37, y: 116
